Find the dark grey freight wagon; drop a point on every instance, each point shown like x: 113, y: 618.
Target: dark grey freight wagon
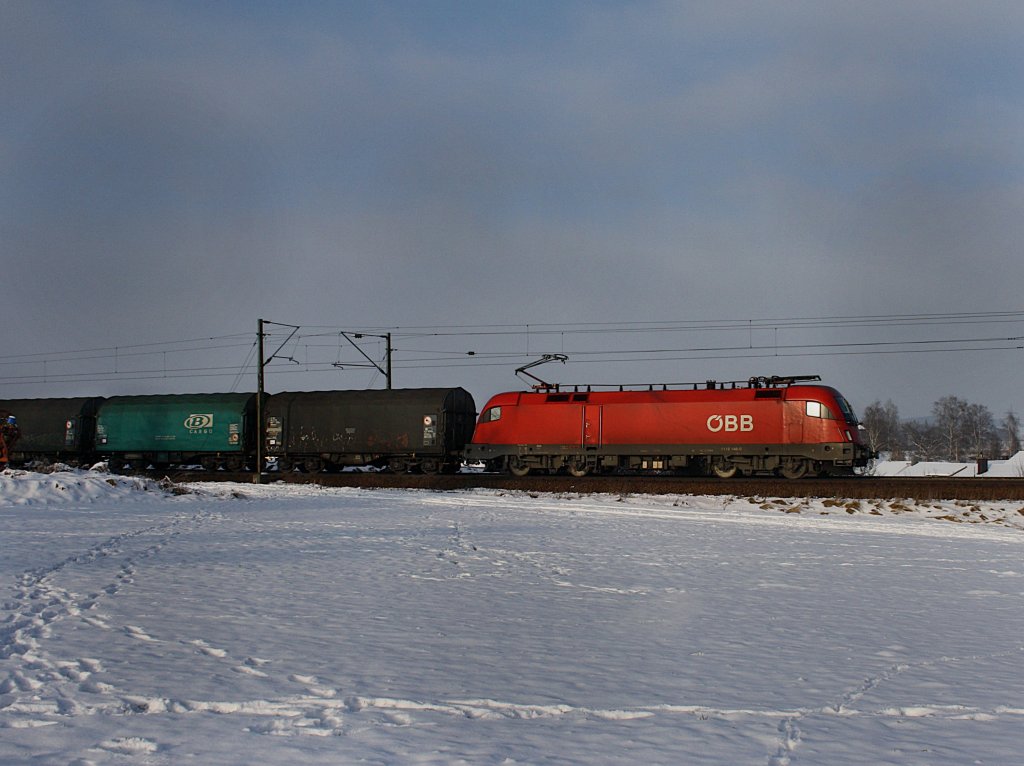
x: 53, y: 430
x: 421, y: 429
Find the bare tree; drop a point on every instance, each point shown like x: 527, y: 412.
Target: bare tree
x: 1012, y: 427
x: 957, y: 431
x: 980, y: 436
x: 882, y: 423
x: 922, y: 440
x: 950, y: 413
x: 963, y: 430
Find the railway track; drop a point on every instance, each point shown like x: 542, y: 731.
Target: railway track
x: 853, y: 487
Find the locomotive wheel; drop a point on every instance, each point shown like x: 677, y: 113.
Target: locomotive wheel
x: 723, y: 470
x: 577, y: 467
x: 794, y: 469
x: 516, y: 467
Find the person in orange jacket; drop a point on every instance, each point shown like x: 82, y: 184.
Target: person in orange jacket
x: 9, y: 433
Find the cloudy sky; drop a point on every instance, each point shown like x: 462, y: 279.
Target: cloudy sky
x: 664, y: 191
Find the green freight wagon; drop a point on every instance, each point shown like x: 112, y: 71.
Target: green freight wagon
x: 211, y: 430
x: 422, y: 429
x: 53, y: 430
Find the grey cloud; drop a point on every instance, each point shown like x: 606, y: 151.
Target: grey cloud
x: 386, y: 165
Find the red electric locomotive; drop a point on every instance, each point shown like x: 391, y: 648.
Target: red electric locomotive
x: 780, y: 425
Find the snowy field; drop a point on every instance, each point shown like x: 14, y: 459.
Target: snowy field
x: 294, y: 625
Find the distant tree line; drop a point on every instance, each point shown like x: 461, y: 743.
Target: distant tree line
x: 957, y: 430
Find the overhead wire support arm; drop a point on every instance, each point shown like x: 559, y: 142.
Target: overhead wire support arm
x: 386, y: 370
x: 541, y: 385
x: 295, y: 329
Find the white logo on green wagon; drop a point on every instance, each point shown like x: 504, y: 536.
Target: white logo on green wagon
x: 199, y: 423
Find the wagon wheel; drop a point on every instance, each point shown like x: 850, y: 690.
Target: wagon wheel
x: 430, y: 466
x: 313, y: 465
x: 397, y: 465
x: 577, y: 466
x: 723, y: 469
x: 516, y: 466
x: 794, y: 469
x: 234, y: 463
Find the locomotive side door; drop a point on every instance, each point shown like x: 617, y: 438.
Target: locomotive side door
x: 592, y: 426
x: 793, y: 419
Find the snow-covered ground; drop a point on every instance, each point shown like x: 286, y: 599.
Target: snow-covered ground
x: 1013, y: 468
x: 292, y: 624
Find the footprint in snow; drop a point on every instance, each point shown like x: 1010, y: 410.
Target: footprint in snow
x: 136, y: 632
x: 208, y: 650
x: 251, y: 667
x: 245, y: 670
x: 313, y: 685
x: 130, y: 745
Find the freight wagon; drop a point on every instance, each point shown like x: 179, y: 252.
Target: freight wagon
x: 54, y: 430
x: 211, y: 430
x: 421, y: 429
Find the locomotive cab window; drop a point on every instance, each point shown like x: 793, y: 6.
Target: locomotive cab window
x: 847, y: 410
x: 490, y: 415
x: 818, y: 410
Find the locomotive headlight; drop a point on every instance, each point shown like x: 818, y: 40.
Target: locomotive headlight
x: 849, y: 438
